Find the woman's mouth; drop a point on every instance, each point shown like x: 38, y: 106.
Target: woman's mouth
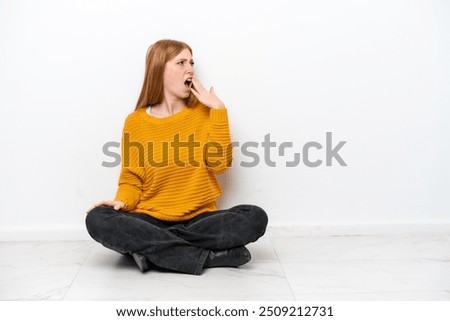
x: 188, y: 82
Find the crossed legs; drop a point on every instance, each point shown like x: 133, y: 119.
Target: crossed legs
x: 178, y: 246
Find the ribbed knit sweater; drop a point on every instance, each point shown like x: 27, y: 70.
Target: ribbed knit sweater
x: 169, y: 165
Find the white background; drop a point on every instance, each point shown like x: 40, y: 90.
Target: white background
x: 374, y: 73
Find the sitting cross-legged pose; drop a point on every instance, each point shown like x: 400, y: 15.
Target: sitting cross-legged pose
x: 164, y: 213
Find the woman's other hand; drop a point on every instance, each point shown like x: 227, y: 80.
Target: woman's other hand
x: 117, y: 205
x: 207, y: 98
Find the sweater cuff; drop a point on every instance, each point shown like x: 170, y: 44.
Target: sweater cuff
x: 218, y: 115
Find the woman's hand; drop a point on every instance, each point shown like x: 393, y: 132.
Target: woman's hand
x: 117, y: 205
x: 207, y: 98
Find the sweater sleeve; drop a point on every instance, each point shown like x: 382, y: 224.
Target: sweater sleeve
x: 219, y: 154
x: 130, y: 180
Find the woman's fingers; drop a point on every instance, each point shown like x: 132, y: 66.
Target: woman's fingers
x: 94, y: 206
x: 197, y: 85
x: 102, y: 203
x: 208, y: 98
x: 195, y: 92
x: 117, y: 205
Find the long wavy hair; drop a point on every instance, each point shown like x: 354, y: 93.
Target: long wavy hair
x: 158, y: 55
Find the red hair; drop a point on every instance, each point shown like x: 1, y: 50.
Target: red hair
x: 158, y: 55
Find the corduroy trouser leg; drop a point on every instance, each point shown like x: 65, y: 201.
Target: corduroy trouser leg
x: 178, y: 246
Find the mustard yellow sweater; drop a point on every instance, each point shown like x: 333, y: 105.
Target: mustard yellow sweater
x: 169, y: 164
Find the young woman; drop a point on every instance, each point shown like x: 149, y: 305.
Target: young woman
x: 174, y: 143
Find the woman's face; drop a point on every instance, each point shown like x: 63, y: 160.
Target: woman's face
x: 178, y: 75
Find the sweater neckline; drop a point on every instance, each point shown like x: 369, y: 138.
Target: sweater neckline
x: 163, y: 120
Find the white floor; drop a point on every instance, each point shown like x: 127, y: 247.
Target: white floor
x: 282, y: 268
